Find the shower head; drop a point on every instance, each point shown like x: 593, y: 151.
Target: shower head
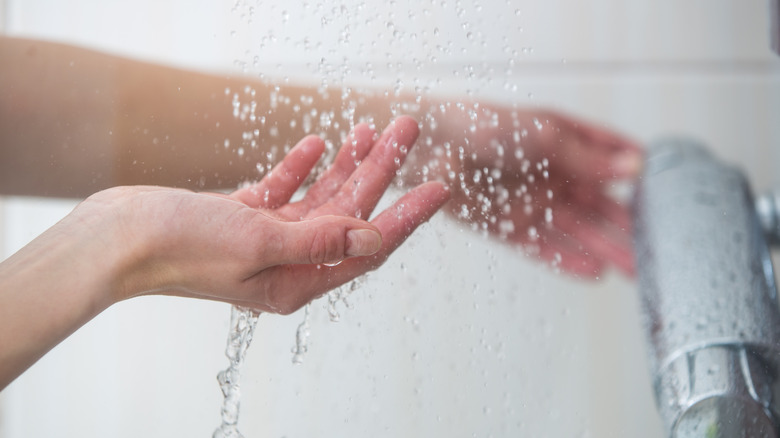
x: 709, y: 300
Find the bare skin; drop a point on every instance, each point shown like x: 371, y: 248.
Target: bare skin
x: 77, y: 123
x: 90, y: 121
x: 244, y: 248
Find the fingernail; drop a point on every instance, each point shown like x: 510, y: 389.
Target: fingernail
x: 363, y: 242
x: 628, y: 164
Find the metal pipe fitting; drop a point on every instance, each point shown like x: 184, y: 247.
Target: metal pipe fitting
x: 768, y: 210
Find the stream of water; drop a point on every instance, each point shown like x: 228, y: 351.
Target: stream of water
x: 242, y: 328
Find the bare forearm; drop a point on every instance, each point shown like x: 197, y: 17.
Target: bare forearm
x: 130, y: 241
x: 74, y: 121
x: 47, y: 291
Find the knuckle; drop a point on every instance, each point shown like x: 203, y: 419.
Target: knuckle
x: 326, y: 247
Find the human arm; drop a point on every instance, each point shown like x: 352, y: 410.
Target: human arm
x: 107, y: 121
x: 74, y: 121
x: 540, y: 180
x: 244, y: 248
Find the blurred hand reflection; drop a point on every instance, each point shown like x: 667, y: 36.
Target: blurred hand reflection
x: 538, y: 179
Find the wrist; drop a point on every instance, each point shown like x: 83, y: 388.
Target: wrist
x: 48, y: 289
x: 86, y: 257
x: 117, y: 242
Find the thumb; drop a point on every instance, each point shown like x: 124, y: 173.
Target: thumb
x: 326, y: 239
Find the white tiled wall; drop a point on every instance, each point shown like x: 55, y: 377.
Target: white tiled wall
x: 481, y: 343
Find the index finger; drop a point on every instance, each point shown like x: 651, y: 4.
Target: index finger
x: 355, y: 148
x: 279, y: 186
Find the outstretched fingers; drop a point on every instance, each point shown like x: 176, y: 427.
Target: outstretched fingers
x: 276, y: 188
x: 602, y: 205
x: 398, y: 221
x: 286, y: 288
x: 360, y: 193
x: 595, y: 154
x: 354, y: 149
x: 603, y: 240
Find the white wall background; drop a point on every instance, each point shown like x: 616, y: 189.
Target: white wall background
x: 481, y: 342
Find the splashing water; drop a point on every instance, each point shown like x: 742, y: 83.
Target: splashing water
x: 242, y: 328
x: 505, y: 192
x: 340, y: 294
x: 335, y: 296
x: 302, y: 337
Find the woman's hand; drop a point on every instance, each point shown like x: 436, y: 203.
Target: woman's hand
x: 252, y: 248
x: 256, y: 249
x: 541, y: 180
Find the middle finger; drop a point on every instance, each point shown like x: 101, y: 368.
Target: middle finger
x: 364, y: 188
x: 354, y: 149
